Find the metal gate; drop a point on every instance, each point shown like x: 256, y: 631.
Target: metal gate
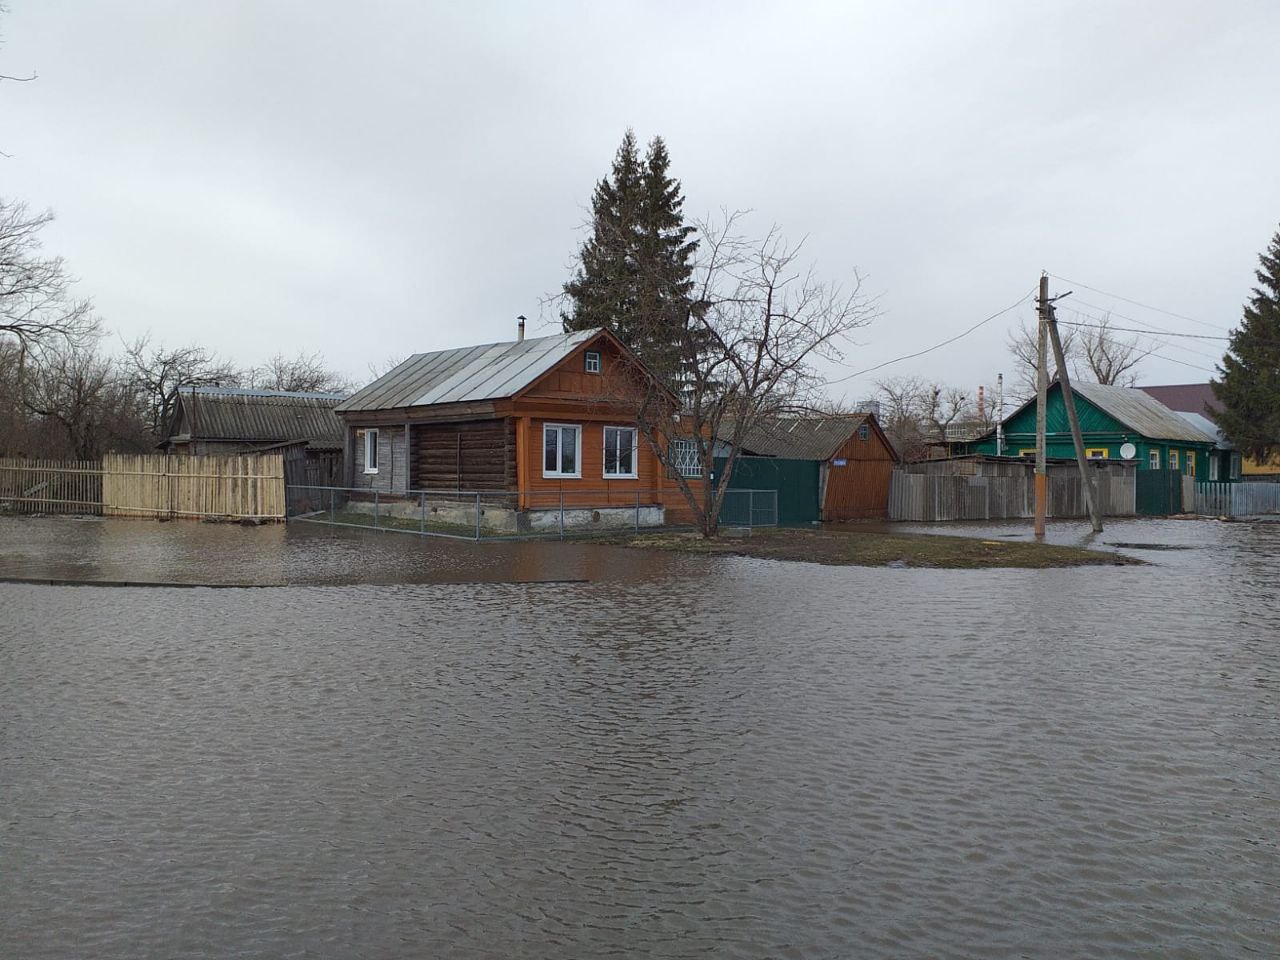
x: 1159, y: 493
x: 796, y: 483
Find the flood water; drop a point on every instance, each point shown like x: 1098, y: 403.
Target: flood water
x: 674, y: 757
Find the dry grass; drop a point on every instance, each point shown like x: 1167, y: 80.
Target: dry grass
x: 878, y: 549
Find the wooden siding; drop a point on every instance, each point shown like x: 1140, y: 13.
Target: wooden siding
x: 473, y: 455
x: 860, y: 489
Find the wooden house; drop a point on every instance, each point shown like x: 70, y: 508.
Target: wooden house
x: 1198, y: 403
x: 1112, y: 420
x: 531, y: 424
x: 823, y: 468
x: 232, y: 420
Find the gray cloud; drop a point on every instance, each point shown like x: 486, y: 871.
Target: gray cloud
x: 370, y: 179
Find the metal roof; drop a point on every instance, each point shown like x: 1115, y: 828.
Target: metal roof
x: 798, y: 438
x: 1205, y: 425
x: 1190, y: 397
x: 233, y: 413
x: 1141, y: 413
x: 491, y: 371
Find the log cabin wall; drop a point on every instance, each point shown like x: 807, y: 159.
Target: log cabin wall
x: 471, y: 455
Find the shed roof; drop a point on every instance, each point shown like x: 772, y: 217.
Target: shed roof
x: 798, y: 438
x: 234, y: 413
x: 491, y: 371
x: 1141, y: 413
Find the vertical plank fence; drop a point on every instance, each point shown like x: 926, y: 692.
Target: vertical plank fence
x: 928, y: 498
x: 50, y: 486
x: 246, y: 487
x: 1237, y: 499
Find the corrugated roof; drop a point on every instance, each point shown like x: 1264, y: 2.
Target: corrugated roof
x: 492, y: 371
x: 233, y: 413
x: 1141, y: 413
x: 798, y: 438
x: 1205, y: 425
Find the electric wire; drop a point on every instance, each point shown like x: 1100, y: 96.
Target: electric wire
x: 936, y: 346
x: 1138, y: 303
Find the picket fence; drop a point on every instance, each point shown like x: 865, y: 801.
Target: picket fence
x: 1237, y: 499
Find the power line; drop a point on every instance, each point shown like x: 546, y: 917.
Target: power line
x: 1138, y: 303
x: 1162, y: 333
x: 1175, y: 346
x: 936, y: 346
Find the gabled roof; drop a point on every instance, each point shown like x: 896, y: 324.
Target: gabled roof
x: 1134, y: 409
x: 1186, y: 397
x: 1205, y: 425
x: 234, y: 413
x: 491, y: 371
x: 800, y: 438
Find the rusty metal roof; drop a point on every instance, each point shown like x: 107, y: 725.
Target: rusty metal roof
x: 234, y: 413
x: 491, y: 371
x: 798, y: 438
x: 1141, y: 413
x: 1186, y: 397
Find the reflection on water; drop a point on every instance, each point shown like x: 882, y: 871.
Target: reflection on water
x: 682, y: 757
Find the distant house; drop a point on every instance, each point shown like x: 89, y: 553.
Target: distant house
x: 823, y: 468
x: 230, y: 420
x: 1197, y: 403
x: 1111, y: 420
x: 530, y: 423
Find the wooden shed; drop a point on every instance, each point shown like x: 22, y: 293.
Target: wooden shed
x: 854, y: 461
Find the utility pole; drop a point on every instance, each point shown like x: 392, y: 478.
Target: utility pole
x: 999, y: 414
x: 1042, y: 397
x: 1069, y: 401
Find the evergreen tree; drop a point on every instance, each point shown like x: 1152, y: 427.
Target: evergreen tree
x: 634, y: 274
x: 1249, y: 385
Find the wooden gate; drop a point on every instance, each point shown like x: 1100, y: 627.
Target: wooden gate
x: 1159, y: 493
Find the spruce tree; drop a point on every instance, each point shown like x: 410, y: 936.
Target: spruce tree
x: 635, y: 271
x: 1249, y: 384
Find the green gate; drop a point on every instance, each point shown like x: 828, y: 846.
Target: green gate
x: 1159, y: 493
x: 796, y: 482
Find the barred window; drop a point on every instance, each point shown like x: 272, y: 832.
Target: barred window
x: 684, y: 458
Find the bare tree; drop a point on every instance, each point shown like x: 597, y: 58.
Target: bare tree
x: 87, y: 396
x: 756, y: 322
x: 36, y: 303
x: 1110, y: 358
x: 305, y: 373
x: 1023, y: 341
x: 156, y: 372
x: 915, y: 413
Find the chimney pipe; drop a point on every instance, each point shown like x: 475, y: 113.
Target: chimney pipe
x: 520, y: 329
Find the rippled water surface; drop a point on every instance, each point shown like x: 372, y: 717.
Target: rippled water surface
x: 676, y: 757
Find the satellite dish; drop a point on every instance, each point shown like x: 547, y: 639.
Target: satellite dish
x: 1128, y: 451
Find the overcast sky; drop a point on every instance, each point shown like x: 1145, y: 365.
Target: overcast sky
x: 373, y: 179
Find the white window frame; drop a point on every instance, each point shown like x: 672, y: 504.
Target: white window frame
x: 1215, y: 467
x: 688, y: 465
x: 604, y: 450
x: 1153, y: 458
x: 1235, y: 466
x: 592, y: 355
x: 577, y: 451
x: 864, y: 431
x: 371, y: 447
x: 1174, y: 461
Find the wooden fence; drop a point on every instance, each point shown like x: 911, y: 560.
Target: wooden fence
x: 1236, y: 499
x: 934, y: 497
x: 50, y: 486
x: 246, y: 487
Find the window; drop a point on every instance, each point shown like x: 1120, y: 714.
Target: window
x: 619, y: 451
x: 1027, y: 452
x: 561, y: 450
x: 684, y: 458
x: 1097, y: 453
x: 1173, y: 459
x: 371, y: 451
x: 1235, y: 466
x: 1191, y: 463
x: 864, y: 432
x: 1214, y: 467
x: 593, y: 361
x: 1153, y: 459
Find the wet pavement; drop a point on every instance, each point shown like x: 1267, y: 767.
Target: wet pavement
x: 680, y: 756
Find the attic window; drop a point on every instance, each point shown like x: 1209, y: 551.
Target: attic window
x: 593, y: 361
x: 864, y: 432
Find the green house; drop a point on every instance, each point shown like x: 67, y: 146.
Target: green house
x: 1117, y: 423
